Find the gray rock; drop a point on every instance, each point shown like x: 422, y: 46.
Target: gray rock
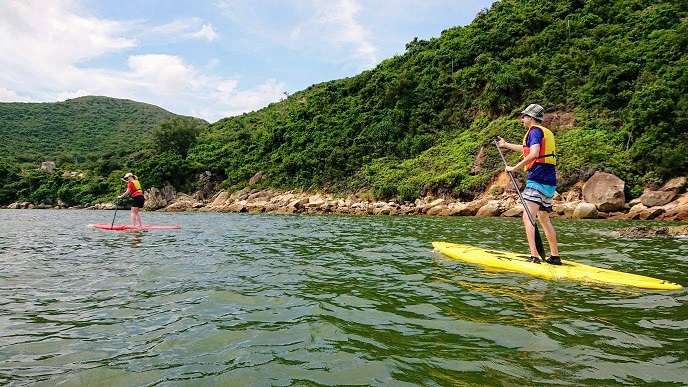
x: 605, y: 191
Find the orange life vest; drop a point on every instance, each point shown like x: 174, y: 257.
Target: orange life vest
x: 547, y: 149
x: 138, y: 191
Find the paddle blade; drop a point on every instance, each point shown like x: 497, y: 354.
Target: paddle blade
x: 538, y: 243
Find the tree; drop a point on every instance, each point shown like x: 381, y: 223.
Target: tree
x: 177, y: 135
x: 9, y: 176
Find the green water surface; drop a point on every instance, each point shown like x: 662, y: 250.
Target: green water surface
x: 287, y: 300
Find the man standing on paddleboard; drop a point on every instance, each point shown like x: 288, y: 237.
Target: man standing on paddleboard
x: 134, y: 189
x: 539, y: 159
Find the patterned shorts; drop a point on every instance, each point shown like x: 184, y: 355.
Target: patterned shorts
x: 533, y: 195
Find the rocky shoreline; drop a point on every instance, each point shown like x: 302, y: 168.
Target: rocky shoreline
x: 601, y: 197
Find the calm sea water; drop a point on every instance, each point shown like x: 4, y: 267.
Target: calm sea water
x: 282, y: 300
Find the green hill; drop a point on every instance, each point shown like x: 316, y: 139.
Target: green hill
x: 617, y: 71
x: 35, y: 132
x: 613, y: 77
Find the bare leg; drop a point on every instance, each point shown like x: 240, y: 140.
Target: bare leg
x: 543, y: 217
x: 136, y: 217
x: 530, y: 229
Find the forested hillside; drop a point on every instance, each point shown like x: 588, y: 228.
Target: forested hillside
x: 94, y: 135
x: 614, y: 75
x: 417, y: 121
x: 76, y: 128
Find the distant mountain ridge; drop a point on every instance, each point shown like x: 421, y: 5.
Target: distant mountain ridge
x: 91, y: 125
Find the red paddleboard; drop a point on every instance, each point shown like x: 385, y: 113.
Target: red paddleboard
x: 120, y: 227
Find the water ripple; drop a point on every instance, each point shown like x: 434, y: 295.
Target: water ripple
x: 240, y: 299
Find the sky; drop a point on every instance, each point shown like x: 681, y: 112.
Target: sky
x: 205, y: 58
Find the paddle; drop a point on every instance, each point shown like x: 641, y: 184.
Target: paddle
x: 538, y: 238
x: 113, y: 216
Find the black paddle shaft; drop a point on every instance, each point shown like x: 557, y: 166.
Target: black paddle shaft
x: 538, y: 239
x: 113, y: 216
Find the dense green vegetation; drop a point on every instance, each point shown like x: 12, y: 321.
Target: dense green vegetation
x: 77, y: 128
x: 97, y: 136
x: 416, y: 123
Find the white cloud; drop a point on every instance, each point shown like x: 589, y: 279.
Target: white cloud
x: 52, y: 31
x: 75, y: 94
x: 326, y: 32
x: 12, y: 96
x: 166, y: 73
x: 335, y: 24
x: 206, y: 33
x: 44, y: 43
x: 225, y: 99
x: 57, y: 51
x: 179, y: 26
x: 188, y: 28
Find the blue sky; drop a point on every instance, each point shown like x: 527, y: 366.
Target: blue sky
x: 210, y: 59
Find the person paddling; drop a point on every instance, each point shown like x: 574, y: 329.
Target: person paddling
x: 539, y: 159
x: 134, y: 189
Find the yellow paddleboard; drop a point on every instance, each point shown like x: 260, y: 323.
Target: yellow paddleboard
x: 569, y: 270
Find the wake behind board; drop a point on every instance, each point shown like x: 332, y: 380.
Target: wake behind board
x: 569, y: 270
x: 122, y: 227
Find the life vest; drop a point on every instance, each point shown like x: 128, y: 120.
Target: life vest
x: 138, y: 191
x: 547, y: 154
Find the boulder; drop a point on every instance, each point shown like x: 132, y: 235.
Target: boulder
x: 259, y: 206
x: 677, y: 209
x: 514, y: 211
x: 585, y: 211
x: 445, y: 212
x: 287, y: 210
x: 296, y: 204
x: 489, y: 209
x: 316, y: 203
x: 437, y: 210
x: 564, y: 208
x: 73, y: 175
x: 48, y: 166
x: 239, y: 206
x: 473, y: 207
x: 633, y: 202
x: 434, y: 203
x: 457, y: 208
x: 383, y: 210
x: 154, y: 199
x: 284, y: 199
x: 168, y: 192
x: 676, y: 184
x: 242, y: 194
x: 183, y: 203
x: 653, y: 213
x: 657, y: 198
x: 636, y: 212
x: 605, y: 191
x: 205, y: 186
x: 575, y: 194
x: 220, y: 198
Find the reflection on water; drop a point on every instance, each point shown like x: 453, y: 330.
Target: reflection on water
x: 239, y: 299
